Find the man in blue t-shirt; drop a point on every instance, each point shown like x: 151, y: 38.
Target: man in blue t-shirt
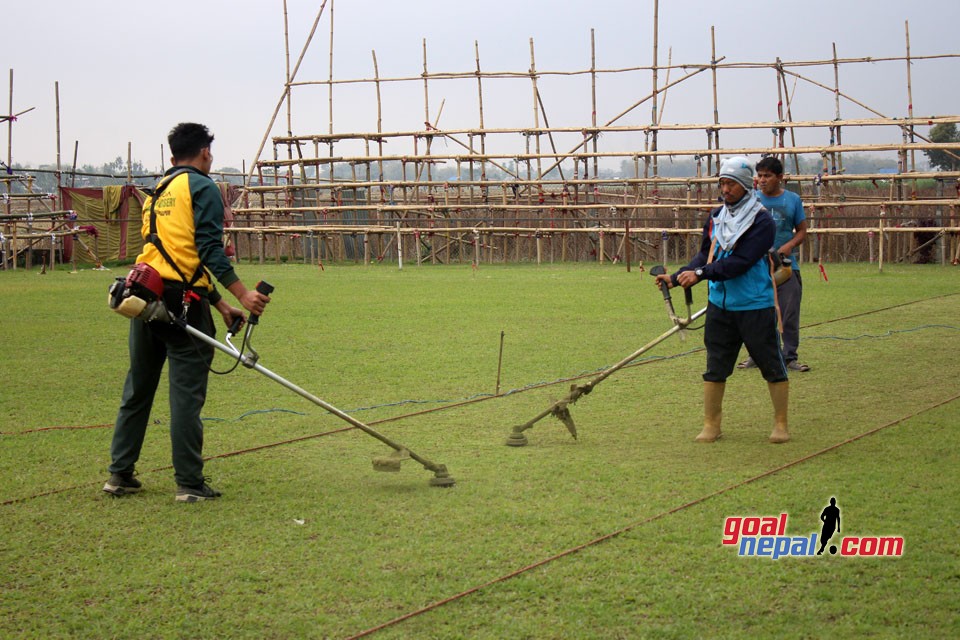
x: 787, y: 211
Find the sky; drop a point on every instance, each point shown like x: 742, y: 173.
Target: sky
x: 129, y: 70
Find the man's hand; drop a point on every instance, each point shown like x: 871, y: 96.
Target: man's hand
x: 229, y: 312
x: 254, y: 301
x: 251, y: 299
x: 687, y: 279
x: 663, y: 279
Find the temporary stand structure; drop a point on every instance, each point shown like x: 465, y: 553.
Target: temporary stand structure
x: 537, y: 192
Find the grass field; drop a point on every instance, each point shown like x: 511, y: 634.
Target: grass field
x: 614, y: 535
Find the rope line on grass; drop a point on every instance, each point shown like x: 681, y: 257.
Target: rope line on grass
x: 889, y: 333
x: 639, y: 523
x: 479, y: 398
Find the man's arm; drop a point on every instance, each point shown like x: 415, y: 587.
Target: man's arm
x: 698, y: 260
x: 208, y: 228
x: 751, y: 247
x: 799, y: 235
x: 208, y: 222
x: 251, y: 299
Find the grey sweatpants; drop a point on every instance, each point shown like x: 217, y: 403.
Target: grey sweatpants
x: 789, y: 295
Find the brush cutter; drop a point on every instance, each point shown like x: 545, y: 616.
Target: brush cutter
x: 561, y: 408
x: 247, y: 356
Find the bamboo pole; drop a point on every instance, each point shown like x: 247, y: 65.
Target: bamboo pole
x: 653, y: 93
x: 483, y: 173
x: 593, y: 95
x: 536, y: 107
x: 663, y: 99
x: 584, y: 155
x: 716, y: 108
x: 330, y: 73
x: 283, y: 94
x: 881, y: 121
x: 881, y: 238
x: 913, y: 153
x: 10, y: 121
x: 836, y: 99
x: 7, y: 203
x: 376, y: 73
x: 286, y: 57
x: 445, y: 75
x: 56, y: 92
x: 789, y: 101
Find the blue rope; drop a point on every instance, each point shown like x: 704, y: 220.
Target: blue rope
x: 884, y: 335
x: 253, y: 412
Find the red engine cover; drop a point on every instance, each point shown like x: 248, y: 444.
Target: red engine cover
x: 146, y: 278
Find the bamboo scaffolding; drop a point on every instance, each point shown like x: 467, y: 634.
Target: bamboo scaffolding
x: 515, y: 198
x: 582, y: 155
x: 460, y: 75
x: 590, y: 207
x: 880, y: 121
x: 603, y: 182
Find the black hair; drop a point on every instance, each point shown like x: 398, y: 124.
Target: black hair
x: 771, y: 164
x: 188, y: 139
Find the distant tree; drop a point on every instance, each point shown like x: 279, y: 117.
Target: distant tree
x: 939, y: 158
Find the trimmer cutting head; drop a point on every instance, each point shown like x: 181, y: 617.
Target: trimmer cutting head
x: 392, y: 462
x: 517, y: 439
x: 441, y: 478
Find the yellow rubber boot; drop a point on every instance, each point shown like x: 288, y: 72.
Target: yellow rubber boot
x: 712, y: 411
x: 780, y: 394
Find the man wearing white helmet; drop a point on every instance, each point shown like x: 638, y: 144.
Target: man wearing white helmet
x: 741, y: 305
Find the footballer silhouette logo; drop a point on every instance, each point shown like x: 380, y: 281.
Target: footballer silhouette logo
x: 830, y: 517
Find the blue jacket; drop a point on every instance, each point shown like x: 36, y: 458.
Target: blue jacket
x: 739, y: 279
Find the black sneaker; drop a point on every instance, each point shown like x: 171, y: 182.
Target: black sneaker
x: 195, y: 494
x: 121, y: 484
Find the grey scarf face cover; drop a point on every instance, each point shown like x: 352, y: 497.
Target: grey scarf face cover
x: 734, y: 219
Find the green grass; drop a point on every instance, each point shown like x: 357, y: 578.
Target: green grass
x: 376, y: 546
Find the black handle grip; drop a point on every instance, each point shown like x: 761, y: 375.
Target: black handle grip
x: 235, y: 325
x: 688, y: 296
x: 266, y: 289
x: 658, y: 270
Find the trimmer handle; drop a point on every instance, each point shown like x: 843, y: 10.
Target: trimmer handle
x: 658, y: 270
x: 266, y: 289
x: 235, y: 325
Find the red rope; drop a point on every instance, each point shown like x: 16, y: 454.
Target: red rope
x: 431, y: 410
x: 653, y: 518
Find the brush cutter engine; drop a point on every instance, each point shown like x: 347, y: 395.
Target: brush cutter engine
x: 139, y: 295
x: 782, y: 267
